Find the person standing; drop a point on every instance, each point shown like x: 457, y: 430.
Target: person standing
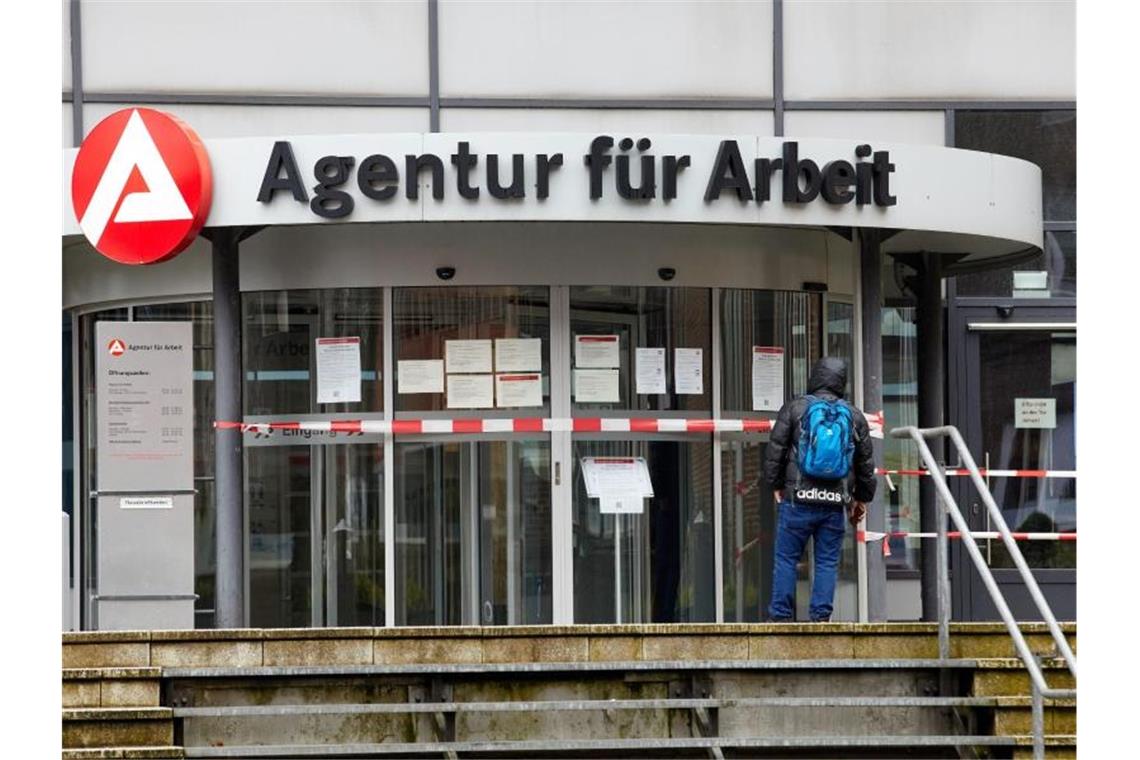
x: 820, y: 465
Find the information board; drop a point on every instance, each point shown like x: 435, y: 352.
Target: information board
x: 144, y: 394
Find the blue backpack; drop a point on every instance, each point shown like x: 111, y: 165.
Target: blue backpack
x: 826, y: 446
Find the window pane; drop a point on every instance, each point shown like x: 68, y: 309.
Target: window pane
x: 1047, y: 138
x: 278, y: 338
x: 426, y: 319
x: 841, y: 338
x: 767, y: 318
x: 653, y: 317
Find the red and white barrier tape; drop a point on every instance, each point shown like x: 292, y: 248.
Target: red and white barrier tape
x: 510, y: 425
x: 877, y: 421
x: 867, y: 536
x: 990, y: 473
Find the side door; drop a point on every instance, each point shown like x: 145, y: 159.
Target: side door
x: 1016, y: 406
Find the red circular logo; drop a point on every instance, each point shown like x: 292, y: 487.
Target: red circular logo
x: 141, y: 186
x: 116, y: 347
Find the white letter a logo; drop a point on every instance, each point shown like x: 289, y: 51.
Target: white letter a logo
x: 161, y: 202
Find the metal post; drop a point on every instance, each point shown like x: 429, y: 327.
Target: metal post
x: 1038, y: 723
x: 942, y: 592
x: 870, y: 278
x: 229, y: 587
x: 930, y: 405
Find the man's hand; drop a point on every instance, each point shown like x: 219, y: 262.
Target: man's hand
x: 778, y: 496
x: 856, y: 512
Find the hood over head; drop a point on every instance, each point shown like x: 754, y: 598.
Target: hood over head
x: 830, y: 374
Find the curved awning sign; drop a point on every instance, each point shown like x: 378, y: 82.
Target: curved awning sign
x: 957, y: 196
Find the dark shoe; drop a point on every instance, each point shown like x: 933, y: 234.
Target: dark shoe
x: 778, y: 620
x: 821, y: 620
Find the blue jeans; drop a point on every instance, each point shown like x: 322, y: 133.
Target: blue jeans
x: 795, y: 524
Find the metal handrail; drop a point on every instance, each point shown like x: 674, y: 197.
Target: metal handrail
x: 1040, y: 689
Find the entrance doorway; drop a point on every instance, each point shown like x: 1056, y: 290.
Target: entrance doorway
x: 1016, y: 406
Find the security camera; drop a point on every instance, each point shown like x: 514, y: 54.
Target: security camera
x: 666, y: 273
x: 1005, y: 312
x: 445, y: 273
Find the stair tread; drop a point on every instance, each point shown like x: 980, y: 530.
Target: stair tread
x: 123, y: 753
x: 111, y: 673
x: 117, y: 713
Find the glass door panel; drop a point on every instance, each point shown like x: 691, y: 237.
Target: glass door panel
x: 1027, y: 416
x: 473, y: 542
x: 280, y: 561
x: 656, y: 566
x: 354, y: 534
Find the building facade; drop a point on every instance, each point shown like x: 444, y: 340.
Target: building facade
x: 451, y: 295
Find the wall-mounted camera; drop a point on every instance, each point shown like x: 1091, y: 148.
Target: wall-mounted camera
x: 1005, y: 312
x: 666, y: 273
x: 445, y: 273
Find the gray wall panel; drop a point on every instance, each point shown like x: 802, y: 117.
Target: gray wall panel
x: 244, y: 46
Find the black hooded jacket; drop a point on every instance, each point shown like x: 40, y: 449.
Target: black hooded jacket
x: 828, y: 380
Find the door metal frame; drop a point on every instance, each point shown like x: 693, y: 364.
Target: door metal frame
x: 968, y: 319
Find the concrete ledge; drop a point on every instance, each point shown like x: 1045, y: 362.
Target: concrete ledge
x: 124, y: 753
x: 671, y: 629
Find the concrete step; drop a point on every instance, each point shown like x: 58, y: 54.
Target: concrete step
x: 111, y: 687
x: 587, y: 643
x: 1062, y: 747
x: 125, y: 753
x: 848, y: 746
x: 118, y: 727
x: 1014, y: 715
x: 1008, y: 677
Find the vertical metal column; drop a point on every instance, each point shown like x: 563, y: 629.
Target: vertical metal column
x: 870, y: 280
x: 931, y: 371
x: 229, y: 588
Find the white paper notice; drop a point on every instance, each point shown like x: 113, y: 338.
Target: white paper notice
x: 767, y: 378
x: 597, y: 351
x: 688, y: 371
x: 470, y: 391
x: 468, y: 355
x: 419, y: 376
x: 518, y: 390
x: 518, y: 354
x: 621, y: 504
x: 596, y: 386
x: 1039, y: 413
x: 616, y: 475
x: 338, y: 370
x: 650, y: 370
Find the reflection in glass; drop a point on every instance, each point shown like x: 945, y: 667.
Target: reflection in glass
x: 656, y: 566
x: 1031, y: 365
x: 900, y: 403
x: 767, y: 318
x: 749, y: 513
x: 841, y: 338
x: 354, y: 533
x: 279, y: 500
x: 656, y: 317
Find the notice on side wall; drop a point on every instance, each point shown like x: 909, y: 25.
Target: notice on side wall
x: 650, y: 370
x: 1035, y: 413
x: 514, y: 390
x: 518, y: 354
x: 419, y: 376
x: 596, y: 386
x: 470, y: 391
x: 688, y: 371
x: 338, y: 370
x: 597, y: 351
x: 767, y: 378
x: 467, y: 355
